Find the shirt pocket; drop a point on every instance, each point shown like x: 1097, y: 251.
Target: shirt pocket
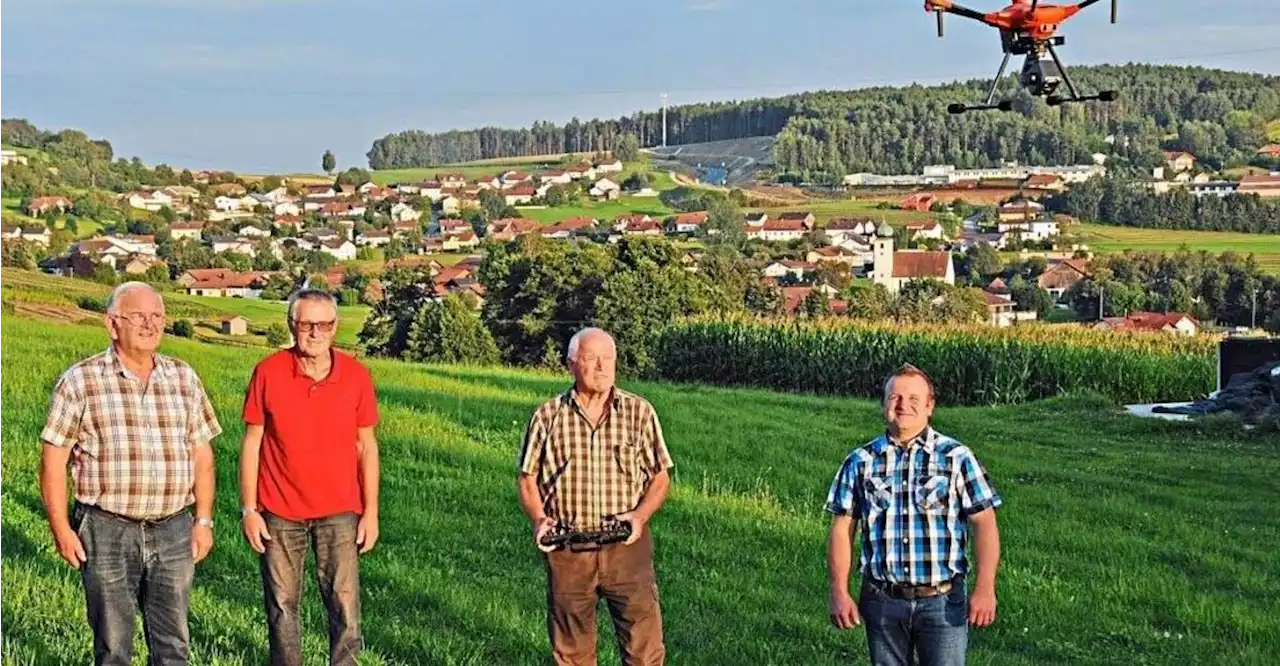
x: 878, y: 493
x: 931, y: 493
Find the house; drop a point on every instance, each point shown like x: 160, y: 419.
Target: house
x: 1020, y: 210
x: 144, y: 244
x: 223, y: 283
x: 1179, y: 160
x: 841, y: 229
x: 230, y: 189
x: 649, y: 228
x: 796, y: 269
x: 780, y: 230
x: 289, y: 221
x: 319, y: 192
x: 574, y: 226
x: 894, y: 269
x: 188, y: 230
x: 1263, y: 185
x: 605, y: 189
x: 450, y: 205
x: 999, y: 309
x: 452, y: 226
x: 451, y: 179
x: 342, y: 209
x: 340, y: 248
x: 39, y: 235
x: 152, y: 201
x: 39, y: 205
x: 286, y: 208
x: 836, y: 254
x: 520, y: 194
x: 555, y: 177
x: 512, y: 178
x: 324, y: 233
x: 609, y: 166
x: 755, y: 219
x: 622, y: 222
x: 227, y: 204
x: 998, y: 286
x: 1050, y: 182
x: 1060, y: 277
x: 137, y: 264
x: 1036, y: 229
x: 1270, y: 150
x: 236, y: 325
x: 1177, y: 323
x: 233, y: 244
x: 580, y: 171
x: 464, y: 240
x: 687, y: 223
x: 374, y: 238
x: 920, y: 201
x: 8, y: 157
x: 253, y: 231
x: 1212, y: 188
x: 403, y: 212
x: 793, y: 298
x: 10, y: 232
x: 508, y: 228
x: 804, y: 217
x: 924, y: 230
x: 403, y: 228
x: 490, y: 183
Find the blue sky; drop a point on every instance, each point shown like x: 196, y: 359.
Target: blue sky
x: 268, y: 85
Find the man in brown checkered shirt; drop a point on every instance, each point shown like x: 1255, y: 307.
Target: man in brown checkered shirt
x: 590, y: 455
x: 135, y: 427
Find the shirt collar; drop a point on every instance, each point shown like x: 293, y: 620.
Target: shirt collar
x: 163, y: 367
x: 570, y: 397
x: 335, y: 366
x: 927, y: 439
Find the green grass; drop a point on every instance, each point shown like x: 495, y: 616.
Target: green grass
x: 825, y: 211
x: 1107, y: 238
x: 34, y: 287
x: 605, y: 211
x: 1127, y: 541
x: 13, y: 214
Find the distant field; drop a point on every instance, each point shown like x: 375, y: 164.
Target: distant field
x: 1106, y: 238
x: 824, y: 211
x: 34, y: 287
x: 495, y: 167
x: 605, y: 211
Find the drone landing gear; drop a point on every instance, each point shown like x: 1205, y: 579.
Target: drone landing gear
x: 1053, y: 99
x: 990, y: 103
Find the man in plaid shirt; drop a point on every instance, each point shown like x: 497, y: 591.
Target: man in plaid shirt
x: 135, y: 427
x: 912, y: 493
x: 592, y: 453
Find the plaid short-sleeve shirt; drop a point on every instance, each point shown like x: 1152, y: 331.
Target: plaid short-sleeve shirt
x: 912, y: 502
x: 586, y: 473
x: 131, y: 444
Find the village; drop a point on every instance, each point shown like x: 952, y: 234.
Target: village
x: 344, y: 220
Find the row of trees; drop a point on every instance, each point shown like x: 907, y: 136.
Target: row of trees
x: 1220, y: 116
x: 1125, y: 203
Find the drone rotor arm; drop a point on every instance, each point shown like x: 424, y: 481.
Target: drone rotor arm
x: 952, y: 8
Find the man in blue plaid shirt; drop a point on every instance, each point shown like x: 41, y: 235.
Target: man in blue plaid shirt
x: 912, y: 493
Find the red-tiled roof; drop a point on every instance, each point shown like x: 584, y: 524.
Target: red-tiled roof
x: 693, y: 218
x: 783, y: 225
x: 920, y: 264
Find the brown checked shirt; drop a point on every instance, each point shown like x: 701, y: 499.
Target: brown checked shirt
x: 131, y: 444
x: 586, y: 473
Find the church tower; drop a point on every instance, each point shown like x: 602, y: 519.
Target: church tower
x: 882, y: 256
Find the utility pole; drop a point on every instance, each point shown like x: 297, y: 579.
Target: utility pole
x: 1253, y: 316
x: 664, y: 120
x: 1101, y: 290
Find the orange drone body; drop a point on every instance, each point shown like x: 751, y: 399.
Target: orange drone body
x: 1039, y: 22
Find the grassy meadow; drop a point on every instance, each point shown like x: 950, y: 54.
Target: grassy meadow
x: 1124, y: 540
x: 21, y: 287
x: 1108, y: 238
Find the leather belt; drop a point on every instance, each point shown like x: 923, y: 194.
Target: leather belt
x: 902, y: 591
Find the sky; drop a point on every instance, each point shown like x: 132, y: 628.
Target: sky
x: 258, y: 86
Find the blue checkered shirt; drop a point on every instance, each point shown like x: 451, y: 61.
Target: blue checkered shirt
x: 912, y: 503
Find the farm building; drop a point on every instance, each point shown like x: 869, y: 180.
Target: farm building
x: 236, y: 325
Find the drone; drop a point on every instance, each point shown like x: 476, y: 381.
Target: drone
x: 1027, y: 27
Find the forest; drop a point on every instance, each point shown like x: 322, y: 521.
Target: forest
x: 1129, y: 204
x: 1219, y: 116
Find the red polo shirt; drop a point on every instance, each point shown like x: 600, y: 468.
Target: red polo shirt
x: 308, y: 467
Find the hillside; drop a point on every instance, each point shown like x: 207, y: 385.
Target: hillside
x: 1218, y: 115
x: 1132, y: 541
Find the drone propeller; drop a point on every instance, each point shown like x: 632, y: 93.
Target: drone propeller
x: 939, y: 13
x: 1113, y: 11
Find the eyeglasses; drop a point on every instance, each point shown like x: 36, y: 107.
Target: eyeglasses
x: 308, y: 326
x: 141, y: 318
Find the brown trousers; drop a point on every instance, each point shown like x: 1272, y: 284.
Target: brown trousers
x: 624, y: 576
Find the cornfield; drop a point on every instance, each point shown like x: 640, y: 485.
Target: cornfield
x: 969, y: 365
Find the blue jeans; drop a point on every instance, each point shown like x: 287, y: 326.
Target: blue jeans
x: 333, y: 540
x: 132, y: 563
x: 934, y: 629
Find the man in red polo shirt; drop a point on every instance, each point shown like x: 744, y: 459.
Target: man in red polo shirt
x: 309, y: 477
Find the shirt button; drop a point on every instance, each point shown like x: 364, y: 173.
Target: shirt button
x: 904, y: 539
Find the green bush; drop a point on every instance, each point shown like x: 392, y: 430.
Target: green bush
x: 183, y: 328
x: 92, y: 304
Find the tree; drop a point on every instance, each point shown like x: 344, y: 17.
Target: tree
x: 183, y: 328
x: 278, y: 288
x: 627, y: 148
x: 450, y: 331
x: 727, y: 223
x: 277, y: 334
x: 495, y: 205
x: 328, y: 162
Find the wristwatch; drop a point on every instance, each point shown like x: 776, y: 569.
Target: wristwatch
x: 245, y: 511
x: 207, y: 522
